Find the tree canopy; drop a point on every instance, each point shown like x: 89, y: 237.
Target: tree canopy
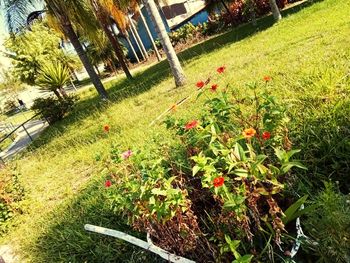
x: 31, y: 49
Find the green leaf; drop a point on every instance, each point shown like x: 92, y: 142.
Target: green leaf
x: 195, y: 170
x: 289, y: 165
x: 241, y: 172
x: 244, y: 259
x: 152, y: 200
x: 291, y: 153
x: 239, y: 152
x: 280, y: 154
x: 158, y: 191
x: 233, y: 244
x: 289, y: 213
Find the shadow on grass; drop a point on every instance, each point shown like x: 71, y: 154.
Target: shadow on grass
x: 159, y: 72
x: 67, y: 241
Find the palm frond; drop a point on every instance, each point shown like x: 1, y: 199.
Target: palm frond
x: 16, y: 12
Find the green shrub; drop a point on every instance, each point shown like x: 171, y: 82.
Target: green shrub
x: 183, y: 34
x: 11, y: 192
x: 10, y: 107
x: 218, y: 193
x: 53, y: 109
x: 328, y: 226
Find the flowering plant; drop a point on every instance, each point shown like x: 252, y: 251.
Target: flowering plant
x: 224, y: 180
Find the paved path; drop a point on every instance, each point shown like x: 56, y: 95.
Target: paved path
x: 34, y: 128
x: 7, y: 255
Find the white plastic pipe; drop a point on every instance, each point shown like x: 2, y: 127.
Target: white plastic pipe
x: 138, y: 242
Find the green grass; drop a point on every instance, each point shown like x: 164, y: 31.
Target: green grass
x: 307, y: 54
x: 18, y: 118
x: 5, y: 144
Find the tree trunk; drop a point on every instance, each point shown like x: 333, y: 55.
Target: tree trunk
x: 74, y: 75
x: 73, y: 85
x: 132, y: 49
x: 150, y: 36
x: 97, y: 70
x: 137, y: 44
x: 111, y: 66
x: 275, y: 11
x: 63, y: 92
x: 138, y: 39
x: 69, y: 32
x: 128, y: 40
x: 174, y: 62
x: 57, y: 94
x: 117, y: 50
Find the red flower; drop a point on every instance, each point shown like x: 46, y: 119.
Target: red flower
x: 191, y: 125
x: 219, y: 181
x: 106, y: 128
x: 214, y: 87
x: 267, y: 78
x: 249, y: 133
x: 266, y: 135
x: 221, y: 69
x: 200, y: 84
x: 108, y: 183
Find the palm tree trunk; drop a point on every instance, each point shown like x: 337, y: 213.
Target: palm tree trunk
x: 132, y: 48
x: 128, y: 40
x: 58, y: 95
x: 174, y: 62
x: 117, y: 49
x: 70, y: 33
x: 275, y: 11
x: 112, y: 66
x: 97, y: 70
x: 150, y: 36
x: 74, y: 74
x: 63, y: 92
x: 137, y: 44
x: 138, y: 39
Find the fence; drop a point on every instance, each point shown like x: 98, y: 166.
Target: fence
x: 15, y: 129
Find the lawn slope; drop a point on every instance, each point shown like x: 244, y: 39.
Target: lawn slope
x: 307, y: 54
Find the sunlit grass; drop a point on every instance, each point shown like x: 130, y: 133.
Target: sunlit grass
x: 18, y: 118
x: 307, y: 54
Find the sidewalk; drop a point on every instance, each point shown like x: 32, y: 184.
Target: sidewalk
x: 34, y: 128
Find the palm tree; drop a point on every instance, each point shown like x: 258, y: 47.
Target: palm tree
x: 174, y: 62
x: 64, y: 12
x: 54, y: 78
x: 149, y: 35
x: 102, y: 10
x: 137, y: 38
x: 275, y: 11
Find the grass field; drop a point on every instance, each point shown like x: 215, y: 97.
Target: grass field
x: 307, y: 54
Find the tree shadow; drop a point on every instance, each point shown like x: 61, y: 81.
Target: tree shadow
x: 65, y: 239
x: 155, y: 74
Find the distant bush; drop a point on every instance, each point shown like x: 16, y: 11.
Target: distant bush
x: 240, y: 12
x: 244, y: 11
x: 10, y: 106
x: 11, y: 192
x: 53, y: 109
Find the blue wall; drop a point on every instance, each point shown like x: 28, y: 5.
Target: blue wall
x: 195, y: 20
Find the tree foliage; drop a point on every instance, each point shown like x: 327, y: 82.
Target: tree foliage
x: 53, y: 77
x: 31, y: 49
